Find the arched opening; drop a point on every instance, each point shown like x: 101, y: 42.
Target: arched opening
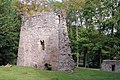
x: 42, y: 44
x: 59, y: 18
x: 48, y: 66
x: 35, y: 65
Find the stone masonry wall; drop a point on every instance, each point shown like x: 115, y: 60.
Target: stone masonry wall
x: 44, y: 40
x: 111, y: 65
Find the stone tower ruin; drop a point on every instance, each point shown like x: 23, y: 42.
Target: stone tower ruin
x: 44, y: 42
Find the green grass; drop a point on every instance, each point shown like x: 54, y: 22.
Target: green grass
x: 28, y: 73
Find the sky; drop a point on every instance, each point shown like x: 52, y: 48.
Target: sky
x: 55, y: 0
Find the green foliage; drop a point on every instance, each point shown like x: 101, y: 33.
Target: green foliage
x: 9, y: 32
x: 96, y: 26
x: 55, y: 4
x: 30, y: 7
x: 93, y: 26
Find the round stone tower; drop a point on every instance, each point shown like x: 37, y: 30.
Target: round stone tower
x: 44, y: 42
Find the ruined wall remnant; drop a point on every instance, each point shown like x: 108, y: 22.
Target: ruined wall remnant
x: 111, y: 65
x: 44, y: 42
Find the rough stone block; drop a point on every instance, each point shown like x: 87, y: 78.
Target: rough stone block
x: 44, y: 40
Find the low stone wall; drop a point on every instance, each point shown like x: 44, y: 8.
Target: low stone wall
x: 111, y: 65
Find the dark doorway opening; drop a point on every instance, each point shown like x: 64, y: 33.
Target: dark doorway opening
x: 113, y: 67
x: 35, y: 65
x: 48, y: 66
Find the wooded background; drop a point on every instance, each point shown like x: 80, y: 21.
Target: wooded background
x: 93, y: 27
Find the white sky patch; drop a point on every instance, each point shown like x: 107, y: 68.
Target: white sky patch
x: 54, y: 0
x: 23, y: 1
x: 59, y: 0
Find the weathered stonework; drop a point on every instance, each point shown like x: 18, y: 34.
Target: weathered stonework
x: 111, y: 65
x: 44, y: 40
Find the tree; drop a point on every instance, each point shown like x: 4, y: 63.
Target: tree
x: 98, y: 19
x: 9, y: 32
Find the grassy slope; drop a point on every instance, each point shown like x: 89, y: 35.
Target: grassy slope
x: 28, y: 73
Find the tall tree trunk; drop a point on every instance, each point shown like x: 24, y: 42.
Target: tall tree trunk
x: 85, y: 58
x: 77, y: 46
x: 75, y: 12
x: 77, y: 60
x: 100, y: 58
